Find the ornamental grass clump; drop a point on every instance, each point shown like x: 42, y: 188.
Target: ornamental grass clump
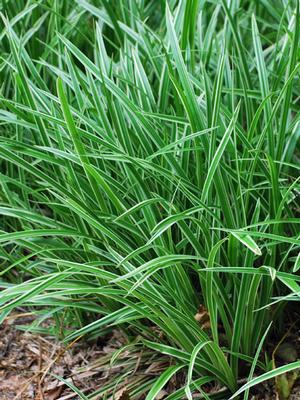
x: 149, y: 170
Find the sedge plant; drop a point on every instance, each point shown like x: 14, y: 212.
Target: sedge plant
x: 150, y: 166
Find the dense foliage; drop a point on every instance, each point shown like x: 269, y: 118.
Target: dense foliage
x: 149, y: 167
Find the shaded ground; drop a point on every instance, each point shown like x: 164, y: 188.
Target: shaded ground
x: 28, y: 362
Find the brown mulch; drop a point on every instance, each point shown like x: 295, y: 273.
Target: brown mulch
x: 28, y: 362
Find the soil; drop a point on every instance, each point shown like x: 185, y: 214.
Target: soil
x: 29, y: 362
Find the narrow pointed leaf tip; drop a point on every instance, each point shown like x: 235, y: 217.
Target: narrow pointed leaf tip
x: 248, y: 242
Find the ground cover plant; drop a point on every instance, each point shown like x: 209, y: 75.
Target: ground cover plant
x: 150, y: 179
